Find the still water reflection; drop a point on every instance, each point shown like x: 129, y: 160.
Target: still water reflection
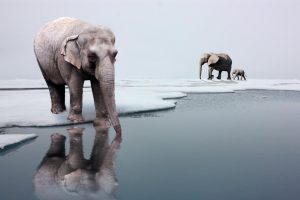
x: 61, y: 176
x: 235, y: 146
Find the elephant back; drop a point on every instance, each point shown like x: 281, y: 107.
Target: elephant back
x: 51, y: 35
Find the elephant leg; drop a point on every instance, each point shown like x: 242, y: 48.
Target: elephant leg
x: 244, y: 77
x: 76, y: 158
x: 100, y: 148
x: 101, y: 112
x: 228, y: 75
x: 57, y: 94
x: 219, y: 75
x: 47, y: 169
x: 75, y: 87
x: 233, y: 77
x: 57, y: 146
x: 210, y: 76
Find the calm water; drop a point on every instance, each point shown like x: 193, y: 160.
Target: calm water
x: 239, y: 146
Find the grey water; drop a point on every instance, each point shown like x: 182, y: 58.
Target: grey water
x: 231, y: 146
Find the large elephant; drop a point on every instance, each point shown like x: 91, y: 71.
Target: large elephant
x: 220, y: 62
x: 70, y: 51
x: 239, y: 73
x: 61, y: 176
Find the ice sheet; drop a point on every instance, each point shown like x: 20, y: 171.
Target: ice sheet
x: 32, y: 107
x: 11, y: 139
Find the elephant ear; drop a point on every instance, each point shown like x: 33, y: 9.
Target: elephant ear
x: 213, y: 59
x: 70, y: 51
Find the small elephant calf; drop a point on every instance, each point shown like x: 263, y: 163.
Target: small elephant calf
x: 239, y: 73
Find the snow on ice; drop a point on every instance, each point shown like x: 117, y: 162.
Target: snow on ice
x: 27, y: 102
x: 10, y: 139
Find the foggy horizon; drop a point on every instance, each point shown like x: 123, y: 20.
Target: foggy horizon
x: 164, y: 39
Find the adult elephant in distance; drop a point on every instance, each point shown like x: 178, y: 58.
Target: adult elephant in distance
x: 70, y: 51
x: 220, y: 62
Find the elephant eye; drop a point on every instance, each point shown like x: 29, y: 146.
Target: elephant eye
x: 105, y: 41
x: 92, y: 57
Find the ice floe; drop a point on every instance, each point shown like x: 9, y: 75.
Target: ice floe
x: 12, y: 139
x: 27, y: 102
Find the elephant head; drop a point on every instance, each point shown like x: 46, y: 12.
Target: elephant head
x: 93, y: 52
x: 208, y: 58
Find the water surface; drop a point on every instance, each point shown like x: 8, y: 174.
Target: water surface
x: 242, y: 145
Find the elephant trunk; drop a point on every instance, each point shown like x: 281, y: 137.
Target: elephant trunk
x: 200, y: 70
x: 106, y: 77
x: 202, y: 62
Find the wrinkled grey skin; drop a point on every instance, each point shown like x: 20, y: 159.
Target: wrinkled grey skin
x: 61, y: 176
x: 239, y: 73
x: 70, y: 51
x: 220, y: 62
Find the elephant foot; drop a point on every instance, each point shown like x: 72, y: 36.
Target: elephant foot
x: 218, y: 78
x: 75, y: 118
x: 56, y: 137
x: 229, y: 79
x: 56, y: 109
x: 211, y: 77
x: 101, y: 122
x: 75, y: 132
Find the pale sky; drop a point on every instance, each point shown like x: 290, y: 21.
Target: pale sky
x: 165, y: 38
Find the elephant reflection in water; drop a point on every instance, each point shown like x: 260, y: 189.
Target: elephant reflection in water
x: 61, y: 176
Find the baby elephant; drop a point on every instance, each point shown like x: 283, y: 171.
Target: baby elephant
x: 238, y: 73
